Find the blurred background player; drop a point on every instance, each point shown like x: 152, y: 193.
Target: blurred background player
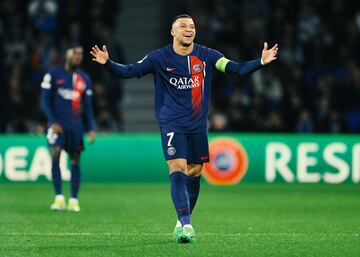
x: 66, y: 99
x: 183, y: 72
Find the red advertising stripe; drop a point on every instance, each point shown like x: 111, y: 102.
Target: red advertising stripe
x: 197, y: 76
x: 78, y: 89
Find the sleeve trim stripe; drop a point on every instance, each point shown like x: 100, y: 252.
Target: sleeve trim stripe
x: 220, y: 65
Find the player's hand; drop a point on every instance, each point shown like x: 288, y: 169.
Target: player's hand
x: 269, y: 55
x: 56, y: 128
x: 98, y: 55
x: 91, y: 136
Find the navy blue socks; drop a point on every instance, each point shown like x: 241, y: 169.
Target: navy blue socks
x: 75, y: 180
x: 193, y: 188
x: 56, y: 177
x: 180, y: 196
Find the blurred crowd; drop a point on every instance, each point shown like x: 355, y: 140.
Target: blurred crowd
x: 314, y: 86
x: 34, y: 36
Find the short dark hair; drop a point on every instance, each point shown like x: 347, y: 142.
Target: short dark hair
x: 73, y: 45
x: 184, y: 15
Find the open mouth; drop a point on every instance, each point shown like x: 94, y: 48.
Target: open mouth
x: 188, y: 36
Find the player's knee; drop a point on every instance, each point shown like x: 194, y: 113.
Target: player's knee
x: 55, y: 154
x: 177, y: 166
x: 74, y: 162
x: 195, y: 170
x: 75, y: 159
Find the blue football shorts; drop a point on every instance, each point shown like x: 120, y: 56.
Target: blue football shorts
x: 71, y: 140
x: 193, y: 147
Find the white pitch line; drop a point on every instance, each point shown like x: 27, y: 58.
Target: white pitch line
x: 81, y: 234
x: 85, y: 234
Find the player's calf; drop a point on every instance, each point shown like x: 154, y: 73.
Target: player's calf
x: 180, y: 197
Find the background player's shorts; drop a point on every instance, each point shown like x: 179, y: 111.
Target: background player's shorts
x: 71, y: 140
x: 193, y: 147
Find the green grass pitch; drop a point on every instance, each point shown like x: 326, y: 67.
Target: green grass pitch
x: 137, y: 220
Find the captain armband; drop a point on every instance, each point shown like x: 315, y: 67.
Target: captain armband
x: 220, y: 65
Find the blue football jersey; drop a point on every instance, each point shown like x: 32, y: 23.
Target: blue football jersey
x: 66, y: 96
x: 182, y: 85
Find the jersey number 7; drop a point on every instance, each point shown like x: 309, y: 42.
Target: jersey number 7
x: 170, y: 135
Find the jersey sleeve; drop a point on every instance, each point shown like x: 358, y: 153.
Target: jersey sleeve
x: 214, y: 56
x: 139, y: 69
x: 88, y: 106
x: 47, y: 92
x: 238, y: 68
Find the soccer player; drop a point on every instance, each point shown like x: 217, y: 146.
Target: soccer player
x: 66, y: 97
x: 182, y: 77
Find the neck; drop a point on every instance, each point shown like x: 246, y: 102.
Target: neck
x: 183, y: 50
x: 69, y: 67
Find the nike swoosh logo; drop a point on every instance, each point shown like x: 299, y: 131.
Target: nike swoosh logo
x: 169, y: 69
x: 204, y: 157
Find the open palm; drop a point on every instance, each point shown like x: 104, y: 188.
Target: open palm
x: 269, y: 55
x: 98, y: 55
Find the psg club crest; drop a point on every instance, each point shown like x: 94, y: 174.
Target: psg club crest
x: 197, y: 68
x: 228, y: 162
x: 171, y: 150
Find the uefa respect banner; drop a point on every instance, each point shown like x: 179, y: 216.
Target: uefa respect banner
x: 235, y: 158
x: 289, y: 158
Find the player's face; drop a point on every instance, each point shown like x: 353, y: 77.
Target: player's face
x: 75, y: 56
x: 183, y: 31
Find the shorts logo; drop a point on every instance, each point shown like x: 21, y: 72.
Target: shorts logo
x: 171, y: 150
x: 229, y: 162
x: 197, y: 68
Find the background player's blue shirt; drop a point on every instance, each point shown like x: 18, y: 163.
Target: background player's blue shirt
x: 182, y: 84
x: 65, y: 96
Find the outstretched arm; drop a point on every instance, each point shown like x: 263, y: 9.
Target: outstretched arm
x: 243, y: 68
x: 138, y: 69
